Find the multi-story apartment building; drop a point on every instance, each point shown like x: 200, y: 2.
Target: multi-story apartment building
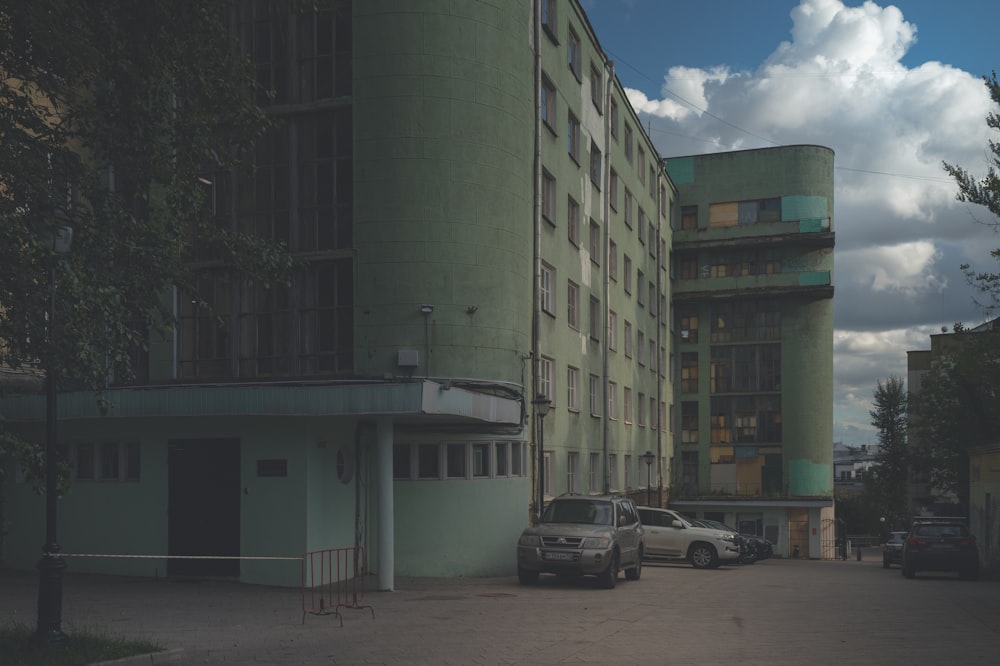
x: 478, y: 220
x: 482, y: 229
x: 753, y: 323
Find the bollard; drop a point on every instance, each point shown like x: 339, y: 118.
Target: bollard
x: 859, y: 553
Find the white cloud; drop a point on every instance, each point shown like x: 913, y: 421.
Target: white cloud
x: 840, y: 82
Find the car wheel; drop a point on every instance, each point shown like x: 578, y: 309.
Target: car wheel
x: 526, y: 576
x: 609, y: 576
x: 703, y: 556
x: 633, y: 573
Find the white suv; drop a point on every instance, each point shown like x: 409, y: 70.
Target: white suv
x: 670, y: 535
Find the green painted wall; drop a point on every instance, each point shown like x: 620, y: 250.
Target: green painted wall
x: 443, y: 118
x: 453, y: 528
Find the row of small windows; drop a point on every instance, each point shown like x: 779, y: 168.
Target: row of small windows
x: 735, y: 369
x: 637, y: 407
x: 459, y: 460
x: 733, y: 213
x: 634, y: 473
x: 647, y: 296
x: 99, y: 461
x: 735, y: 420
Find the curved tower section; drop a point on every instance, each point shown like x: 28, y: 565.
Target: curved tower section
x: 443, y: 137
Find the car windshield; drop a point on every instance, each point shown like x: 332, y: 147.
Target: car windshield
x: 578, y: 511
x: 897, y: 537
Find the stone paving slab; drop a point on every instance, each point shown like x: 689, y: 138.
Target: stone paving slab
x: 773, y: 612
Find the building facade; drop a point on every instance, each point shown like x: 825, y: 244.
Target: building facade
x: 753, y: 323
x: 480, y: 321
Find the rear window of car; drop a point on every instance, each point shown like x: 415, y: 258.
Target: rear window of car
x: 941, y: 530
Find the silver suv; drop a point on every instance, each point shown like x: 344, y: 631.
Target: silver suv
x: 583, y: 535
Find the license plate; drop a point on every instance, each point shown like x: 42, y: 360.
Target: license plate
x: 559, y: 556
x: 941, y: 546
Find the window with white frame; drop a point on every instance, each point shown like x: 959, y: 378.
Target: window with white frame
x: 501, y: 462
x: 596, y: 318
x: 627, y: 404
x: 573, y: 136
x: 641, y: 166
x: 573, y: 389
x: 627, y: 273
x: 640, y: 404
x: 573, y: 305
x: 596, y: 88
x: 613, y: 471
x: 652, y: 354
x: 596, y: 165
x: 573, y: 53
x: 595, y: 395
x: 549, y: 197
x: 595, y: 242
x: 613, y: 190
x: 613, y: 401
x: 612, y: 330
x: 628, y: 470
x: 652, y: 411
x: 546, y: 379
x: 546, y: 285
x: 614, y: 118
x: 640, y: 345
x: 627, y: 334
x: 572, y: 471
x: 612, y: 260
x: 549, y: 17
x: 628, y: 143
x: 548, y: 485
x: 458, y: 460
x: 455, y: 461
x: 595, y: 473
x: 639, y: 291
x: 628, y: 208
x: 573, y: 221
x: 480, y: 460
x: 548, y: 103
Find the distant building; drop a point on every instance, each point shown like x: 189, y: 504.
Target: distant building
x: 851, y: 465
x: 753, y: 328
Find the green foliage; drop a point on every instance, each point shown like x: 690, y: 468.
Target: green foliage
x: 889, y: 479
x: 957, y: 408
x: 83, y: 647
x: 985, y: 192
x: 110, y: 112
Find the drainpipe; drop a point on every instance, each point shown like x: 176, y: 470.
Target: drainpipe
x: 606, y: 247
x: 537, y: 241
x: 661, y: 372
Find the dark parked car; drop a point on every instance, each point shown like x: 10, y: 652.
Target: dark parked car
x: 892, y: 549
x: 941, y: 545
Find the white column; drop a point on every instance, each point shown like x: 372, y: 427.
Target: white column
x: 386, y: 511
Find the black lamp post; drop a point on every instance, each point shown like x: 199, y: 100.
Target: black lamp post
x: 649, y: 457
x: 50, y: 567
x: 541, y: 405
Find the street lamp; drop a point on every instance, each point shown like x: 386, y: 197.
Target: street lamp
x: 649, y: 457
x: 541, y: 405
x: 50, y: 567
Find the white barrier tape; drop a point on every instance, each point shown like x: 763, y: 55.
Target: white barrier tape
x: 177, y: 557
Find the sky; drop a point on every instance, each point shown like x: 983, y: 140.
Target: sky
x: 894, y: 90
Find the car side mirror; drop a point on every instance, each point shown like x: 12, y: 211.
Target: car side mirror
x: 676, y: 523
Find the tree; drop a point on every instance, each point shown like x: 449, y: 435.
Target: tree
x: 957, y: 408
x: 114, y: 114
x: 984, y: 191
x: 890, y: 473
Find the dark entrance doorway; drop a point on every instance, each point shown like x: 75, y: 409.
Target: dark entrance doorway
x: 203, y: 506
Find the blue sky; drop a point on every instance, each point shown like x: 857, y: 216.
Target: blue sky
x: 894, y: 90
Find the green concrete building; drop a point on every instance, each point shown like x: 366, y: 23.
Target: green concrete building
x: 753, y: 324
x: 482, y: 319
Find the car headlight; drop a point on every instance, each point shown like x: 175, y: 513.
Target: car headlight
x: 600, y: 543
x: 728, y: 536
x: 529, y: 540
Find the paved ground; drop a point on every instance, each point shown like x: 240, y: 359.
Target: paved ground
x: 773, y: 612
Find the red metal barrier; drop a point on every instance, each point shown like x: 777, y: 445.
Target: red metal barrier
x: 333, y: 579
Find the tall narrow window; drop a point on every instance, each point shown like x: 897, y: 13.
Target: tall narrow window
x: 596, y: 88
x: 548, y: 103
x: 595, y: 395
x: 573, y: 389
x: 573, y: 53
x: 573, y: 136
x: 546, y: 284
x: 549, y: 197
x: 573, y: 221
x: 573, y: 305
x: 596, y: 165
